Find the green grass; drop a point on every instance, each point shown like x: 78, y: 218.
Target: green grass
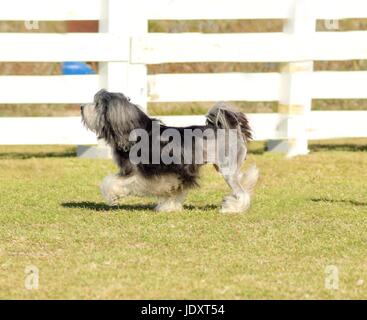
x: 308, y: 213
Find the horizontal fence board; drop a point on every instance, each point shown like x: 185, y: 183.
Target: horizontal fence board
x: 197, y: 47
x: 62, y: 10
x: 320, y: 124
x: 214, y: 87
x: 183, y: 87
x: 48, y: 89
x: 217, y: 9
x: 250, y: 9
x: 192, y: 47
x: 248, y: 47
x: 337, y: 45
x: 264, y: 125
x: 50, y: 10
x: 41, y: 131
x: 252, y: 86
x: 41, y: 47
x: 182, y: 121
x: 69, y: 130
x: 338, y: 84
x: 340, y: 9
x: 337, y: 124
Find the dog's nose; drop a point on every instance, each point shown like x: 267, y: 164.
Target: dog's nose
x: 81, y: 107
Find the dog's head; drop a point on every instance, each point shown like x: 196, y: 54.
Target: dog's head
x: 112, y: 117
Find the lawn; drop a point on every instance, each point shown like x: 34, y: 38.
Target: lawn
x: 308, y: 213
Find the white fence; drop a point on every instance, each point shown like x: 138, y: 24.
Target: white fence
x: 124, y: 48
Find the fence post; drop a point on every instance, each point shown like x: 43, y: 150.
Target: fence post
x: 123, y: 18
x: 138, y: 74
x: 296, y: 100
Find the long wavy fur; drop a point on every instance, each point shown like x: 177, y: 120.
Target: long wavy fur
x: 223, y: 116
x: 116, y: 117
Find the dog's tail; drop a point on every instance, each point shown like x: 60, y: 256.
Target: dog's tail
x: 249, y: 179
x: 222, y: 116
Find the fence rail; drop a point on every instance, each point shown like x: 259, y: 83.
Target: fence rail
x: 249, y: 47
x: 124, y: 48
x: 67, y: 130
x: 61, y: 10
x: 48, y: 47
x: 252, y: 86
x: 55, y: 10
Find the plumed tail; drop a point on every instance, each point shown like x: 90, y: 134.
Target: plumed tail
x: 250, y: 178
x: 222, y: 116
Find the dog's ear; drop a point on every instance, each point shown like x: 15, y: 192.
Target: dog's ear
x: 119, y: 119
x: 101, y: 101
x: 102, y: 97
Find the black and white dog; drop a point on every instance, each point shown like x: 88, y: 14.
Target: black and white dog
x: 155, y: 159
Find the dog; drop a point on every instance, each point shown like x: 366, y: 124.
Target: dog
x: 169, y: 168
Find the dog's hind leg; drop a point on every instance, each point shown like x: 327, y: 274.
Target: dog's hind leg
x: 241, y: 185
x: 172, y: 203
x: 239, y: 201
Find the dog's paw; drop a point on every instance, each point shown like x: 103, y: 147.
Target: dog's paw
x: 111, y: 189
x: 168, y: 207
x: 112, y: 202
x: 235, y: 204
x: 110, y: 199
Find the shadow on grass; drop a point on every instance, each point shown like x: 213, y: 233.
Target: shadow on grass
x: 207, y: 207
x: 338, y: 147
x: 260, y: 147
x: 350, y: 202
x: 95, y: 206
x: 38, y: 155
x: 257, y: 147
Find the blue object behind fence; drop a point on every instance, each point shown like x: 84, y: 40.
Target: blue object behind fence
x: 69, y: 68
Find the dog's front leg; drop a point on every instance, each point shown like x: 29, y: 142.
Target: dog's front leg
x: 172, y: 203
x: 114, y: 187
